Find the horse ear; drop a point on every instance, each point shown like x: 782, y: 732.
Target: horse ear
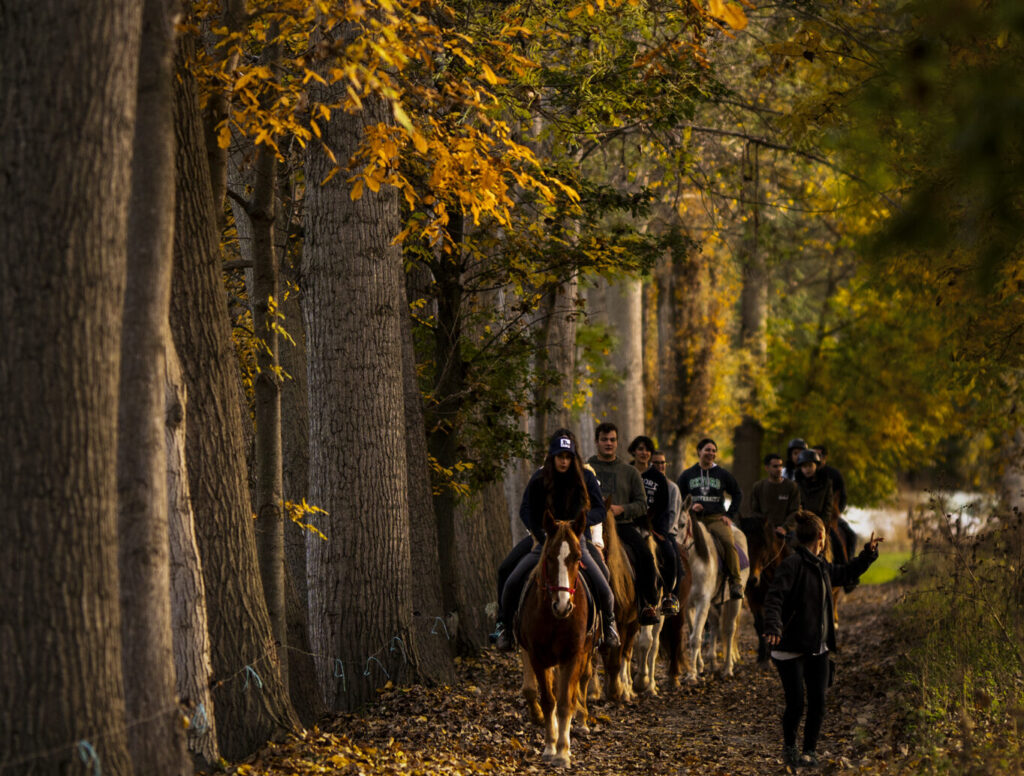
x: 687, y: 502
x: 579, y: 525
x: 549, y: 522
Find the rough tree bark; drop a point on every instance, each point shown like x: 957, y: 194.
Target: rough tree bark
x: 243, y: 648
x: 68, y: 83
x: 360, y: 578
x: 188, y: 591
x: 432, y: 636
x: 619, y: 306
x: 748, y: 437
x: 157, y: 741
x: 686, y: 334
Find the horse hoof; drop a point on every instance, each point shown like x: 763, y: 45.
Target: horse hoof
x: 560, y: 761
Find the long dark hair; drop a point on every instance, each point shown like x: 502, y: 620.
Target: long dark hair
x: 579, y: 489
x: 808, y: 526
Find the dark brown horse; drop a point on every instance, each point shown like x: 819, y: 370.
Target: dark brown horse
x: 618, y: 682
x: 767, y: 549
x: 557, y: 643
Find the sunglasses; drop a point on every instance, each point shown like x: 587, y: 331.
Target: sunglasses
x: 659, y: 463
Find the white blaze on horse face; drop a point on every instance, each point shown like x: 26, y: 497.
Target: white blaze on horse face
x: 563, y: 603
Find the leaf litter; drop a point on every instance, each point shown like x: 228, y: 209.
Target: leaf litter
x: 720, y: 726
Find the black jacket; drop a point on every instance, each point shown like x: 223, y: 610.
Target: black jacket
x: 816, y: 494
x: 798, y: 606
x: 709, y: 488
x: 566, y: 501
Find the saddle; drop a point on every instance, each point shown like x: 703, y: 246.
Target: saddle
x: 720, y: 549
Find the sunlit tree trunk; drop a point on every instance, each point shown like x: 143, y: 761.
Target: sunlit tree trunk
x: 188, y: 591
x: 360, y: 578
x: 157, y: 740
x: 249, y: 711
x: 68, y: 82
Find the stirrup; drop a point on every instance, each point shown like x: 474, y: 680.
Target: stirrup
x: 648, y: 615
x: 670, y: 606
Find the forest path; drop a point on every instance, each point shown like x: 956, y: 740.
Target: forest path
x: 722, y: 726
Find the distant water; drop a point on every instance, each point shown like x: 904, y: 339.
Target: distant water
x: 891, y: 521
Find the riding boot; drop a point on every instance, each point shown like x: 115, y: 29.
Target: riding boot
x: 611, y: 633
x: 502, y: 638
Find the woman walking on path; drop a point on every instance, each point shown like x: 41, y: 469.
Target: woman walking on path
x: 800, y: 630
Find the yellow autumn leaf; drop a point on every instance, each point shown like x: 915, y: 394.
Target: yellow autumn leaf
x: 492, y: 79
x: 734, y: 16
x: 420, y: 142
x: 224, y: 136
x: 402, y: 117
x: 357, y: 191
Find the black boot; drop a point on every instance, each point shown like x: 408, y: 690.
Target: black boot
x: 611, y: 634
x: 501, y: 638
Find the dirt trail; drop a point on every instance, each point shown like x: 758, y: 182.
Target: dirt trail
x: 722, y: 726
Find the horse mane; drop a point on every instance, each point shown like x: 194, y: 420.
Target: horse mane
x: 700, y: 544
x: 615, y: 558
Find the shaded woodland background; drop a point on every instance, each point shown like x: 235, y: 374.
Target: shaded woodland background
x: 293, y: 293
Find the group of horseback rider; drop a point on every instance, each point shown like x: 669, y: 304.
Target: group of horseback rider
x: 645, y: 502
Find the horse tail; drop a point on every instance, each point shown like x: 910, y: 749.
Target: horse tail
x: 615, y: 557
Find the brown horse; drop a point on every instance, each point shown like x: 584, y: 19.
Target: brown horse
x: 618, y: 682
x: 557, y: 643
x: 767, y: 549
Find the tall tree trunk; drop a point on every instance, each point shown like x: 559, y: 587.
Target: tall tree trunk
x: 360, y: 586
x: 558, y: 354
x: 188, y: 591
x: 619, y: 307
x: 269, y: 476
x: 686, y: 333
x: 748, y: 437
x: 69, y: 86
x: 433, y: 637
x: 157, y: 740
x: 482, y: 540
x: 249, y: 711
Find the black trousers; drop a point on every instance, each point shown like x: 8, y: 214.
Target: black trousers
x: 646, y: 573
x: 808, y: 672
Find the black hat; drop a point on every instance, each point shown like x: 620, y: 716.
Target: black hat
x: 561, y: 444
x: 808, y: 456
x: 797, y: 444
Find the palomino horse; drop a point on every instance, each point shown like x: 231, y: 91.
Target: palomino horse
x: 767, y: 548
x: 709, y: 589
x: 618, y: 683
x: 557, y: 643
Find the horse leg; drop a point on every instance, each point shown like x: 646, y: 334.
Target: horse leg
x: 530, y: 690
x: 729, y: 618
x: 626, y: 676
x: 644, y: 641
x: 652, y: 657
x: 545, y: 678
x: 566, y: 683
x: 695, y: 641
x: 586, y: 675
x: 613, y: 674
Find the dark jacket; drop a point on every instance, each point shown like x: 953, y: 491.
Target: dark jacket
x: 708, y: 488
x: 658, y: 508
x: 566, y: 503
x: 816, y: 494
x: 838, y: 485
x: 798, y: 606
